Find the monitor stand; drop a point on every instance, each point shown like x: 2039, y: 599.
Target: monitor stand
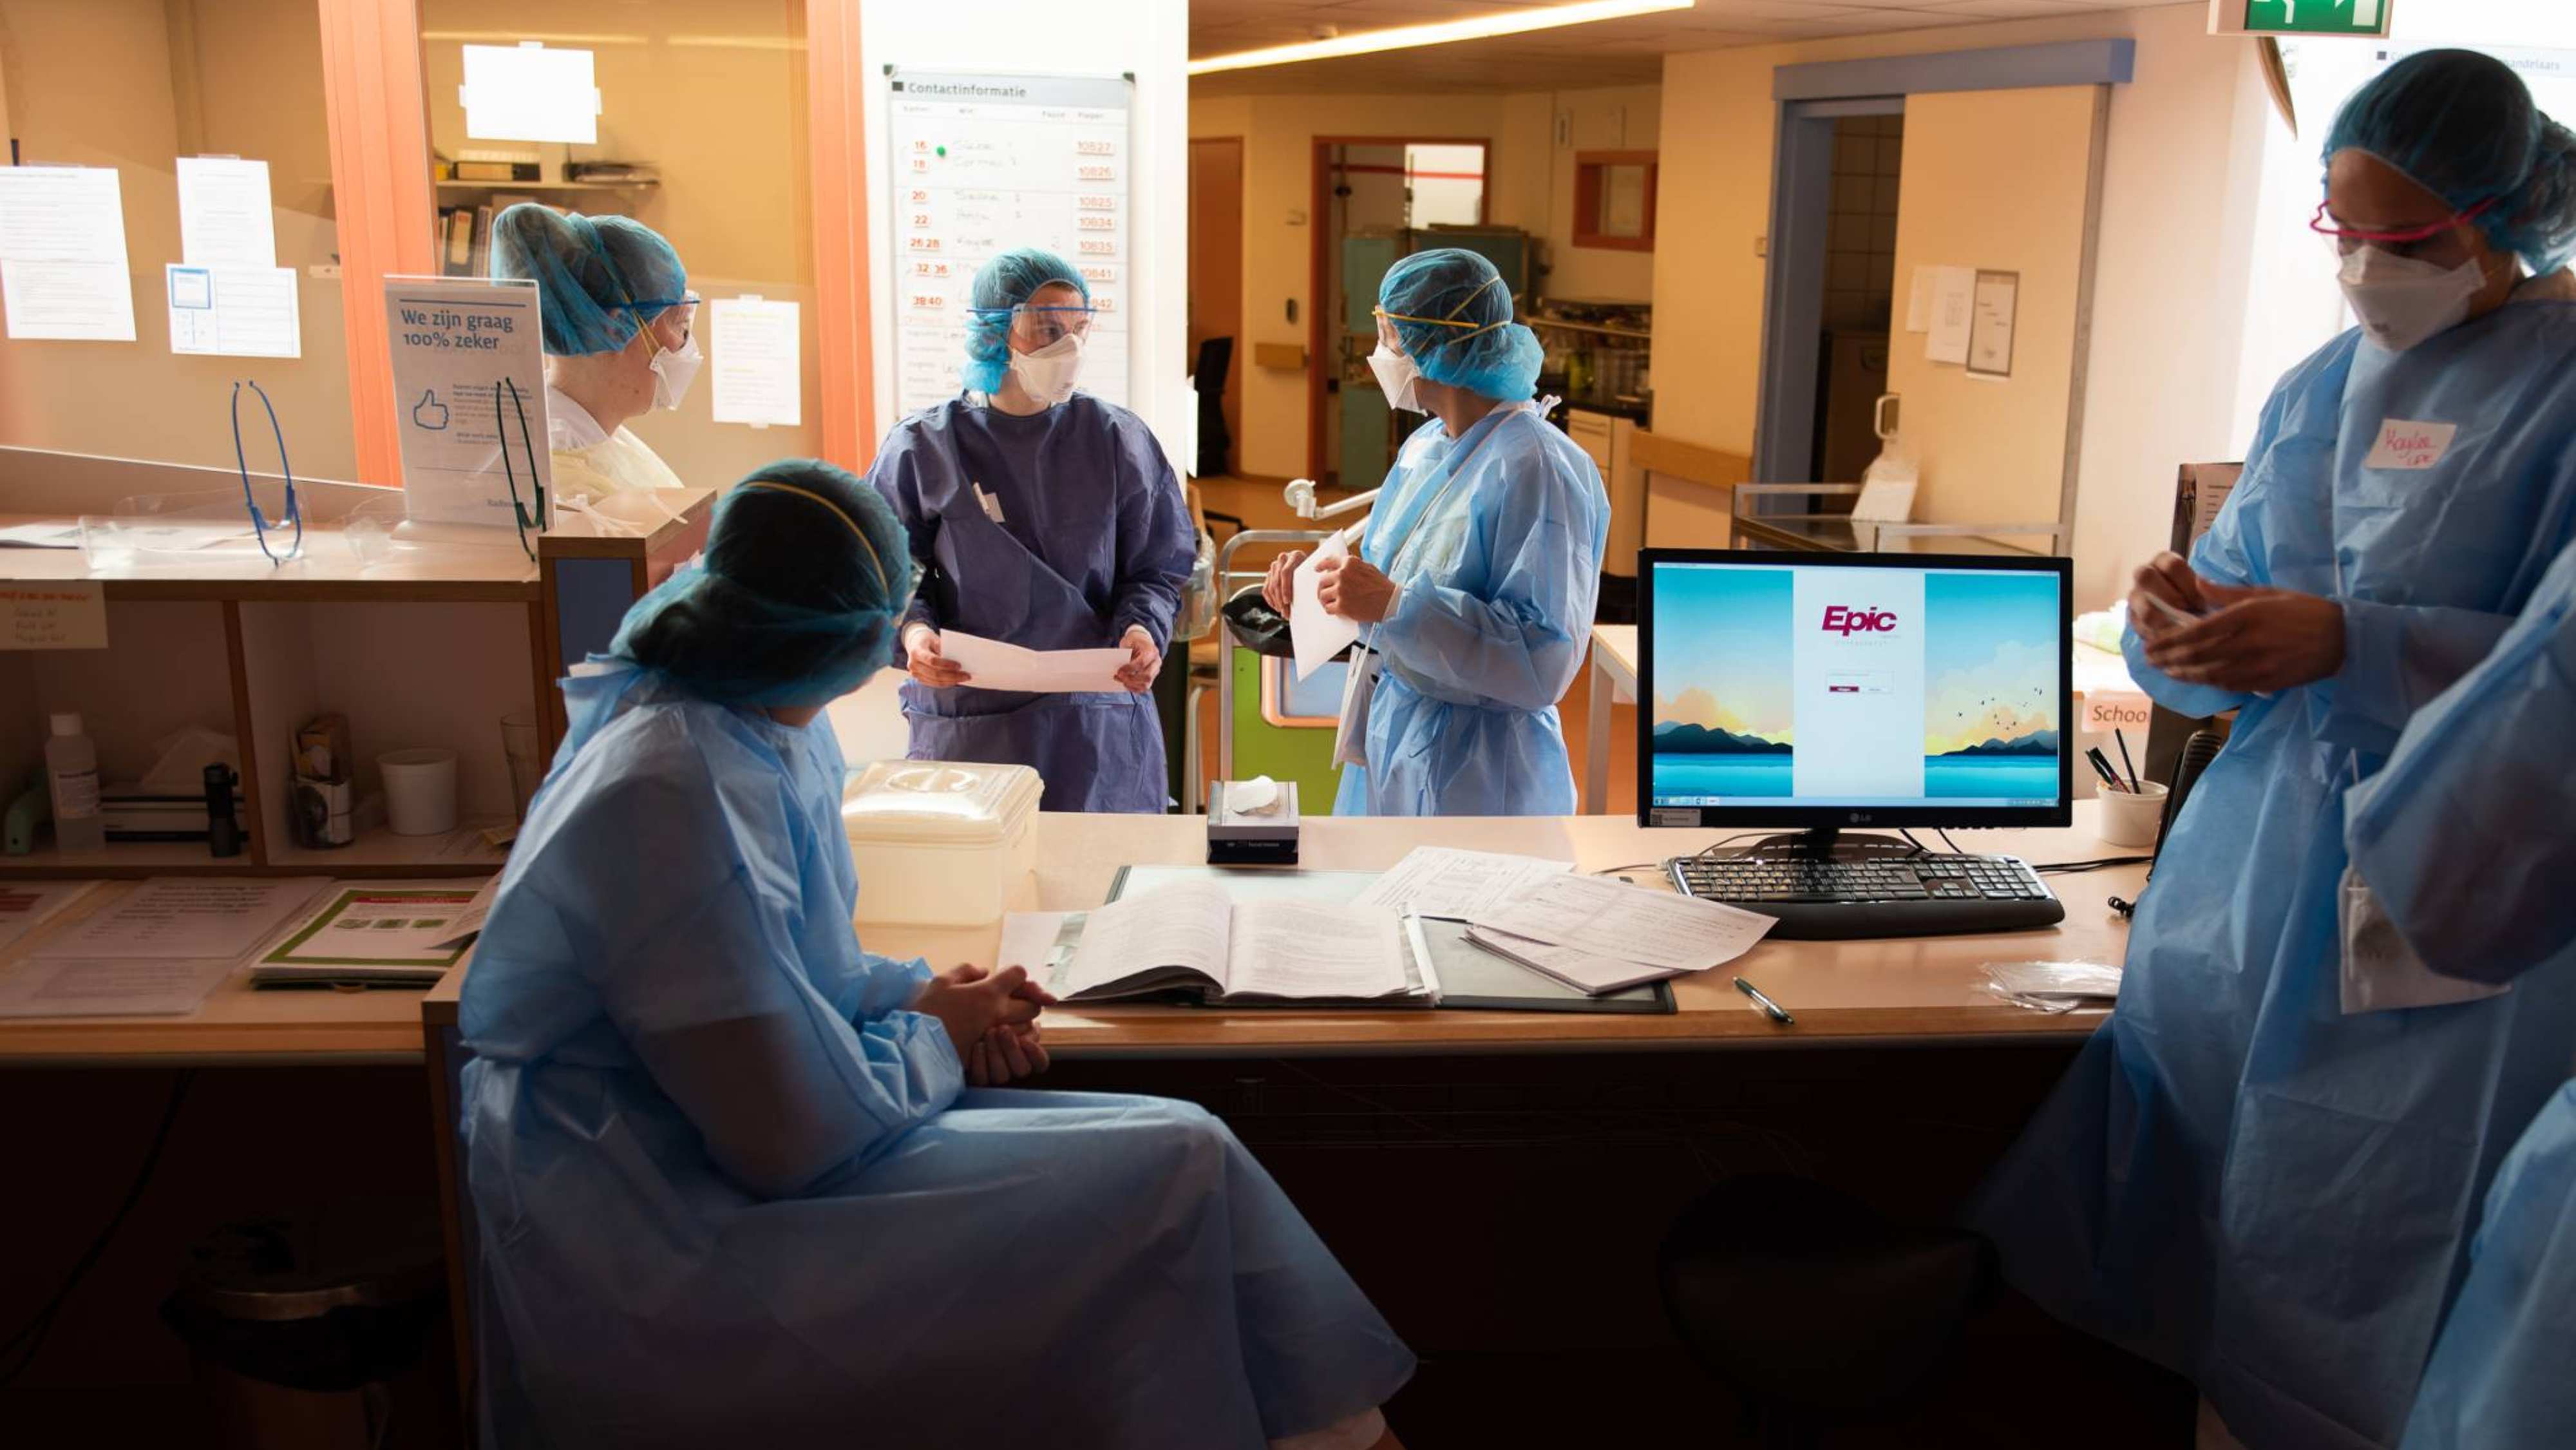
x: 1827, y: 843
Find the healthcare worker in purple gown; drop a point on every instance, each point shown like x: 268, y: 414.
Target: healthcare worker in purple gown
x: 1042, y: 517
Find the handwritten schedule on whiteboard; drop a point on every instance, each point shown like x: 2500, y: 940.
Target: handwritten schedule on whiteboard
x: 983, y: 164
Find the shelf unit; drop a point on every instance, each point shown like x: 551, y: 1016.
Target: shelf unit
x: 429, y: 651
x: 545, y: 186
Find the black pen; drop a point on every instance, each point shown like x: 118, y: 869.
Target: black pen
x: 2125, y: 762
x: 1770, y: 1007
x: 2102, y: 768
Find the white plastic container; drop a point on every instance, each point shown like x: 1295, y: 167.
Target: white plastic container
x: 2130, y: 818
x: 940, y: 843
x: 420, y: 791
x: 71, y: 775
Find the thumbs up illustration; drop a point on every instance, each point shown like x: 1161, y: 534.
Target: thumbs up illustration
x: 429, y: 412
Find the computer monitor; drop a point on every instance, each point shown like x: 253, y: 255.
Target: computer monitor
x: 1836, y: 691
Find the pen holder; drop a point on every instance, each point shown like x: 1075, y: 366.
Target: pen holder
x: 2129, y: 818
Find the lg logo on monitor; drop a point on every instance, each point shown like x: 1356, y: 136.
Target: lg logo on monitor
x: 1848, y: 622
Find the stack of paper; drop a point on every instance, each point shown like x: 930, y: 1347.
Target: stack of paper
x: 1454, y: 885
x: 1601, y: 935
x: 161, y: 949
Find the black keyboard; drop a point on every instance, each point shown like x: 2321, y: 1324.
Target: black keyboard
x: 1926, y: 895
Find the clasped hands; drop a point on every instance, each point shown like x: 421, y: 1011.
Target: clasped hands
x: 2249, y: 640
x: 992, y: 1021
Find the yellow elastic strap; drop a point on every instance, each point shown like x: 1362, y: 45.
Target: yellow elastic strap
x: 1451, y: 319
x: 846, y: 521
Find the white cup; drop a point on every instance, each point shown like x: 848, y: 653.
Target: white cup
x: 420, y: 791
x: 2130, y: 818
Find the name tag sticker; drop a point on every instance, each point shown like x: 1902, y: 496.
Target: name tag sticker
x: 2410, y: 445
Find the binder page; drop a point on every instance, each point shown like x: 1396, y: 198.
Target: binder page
x: 1299, y: 949
x: 1183, y: 925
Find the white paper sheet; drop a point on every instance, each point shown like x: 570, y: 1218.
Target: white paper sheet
x: 234, y: 311
x: 1183, y: 925
x: 1307, y: 949
x: 109, y: 986
x: 1630, y: 923
x: 1918, y: 301
x: 754, y: 354
x: 394, y: 924
x: 1954, y: 309
x: 993, y: 665
x: 62, y: 254
x: 181, y: 918
x: 1579, y: 969
x: 1316, y: 635
x: 225, y: 219
x: 454, y: 341
x: 1454, y: 885
x: 529, y: 92
x: 25, y: 907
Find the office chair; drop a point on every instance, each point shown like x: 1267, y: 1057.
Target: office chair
x: 1812, y: 1307
x: 1215, y: 360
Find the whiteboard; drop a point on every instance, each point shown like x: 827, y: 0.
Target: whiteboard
x: 986, y: 163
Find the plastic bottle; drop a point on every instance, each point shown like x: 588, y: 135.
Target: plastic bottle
x: 71, y: 774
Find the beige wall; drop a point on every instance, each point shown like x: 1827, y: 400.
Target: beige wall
x: 134, y: 84
x: 2169, y: 289
x: 713, y: 91
x: 1530, y: 185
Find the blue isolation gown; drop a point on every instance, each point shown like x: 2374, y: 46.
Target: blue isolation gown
x: 1495, y: 542
x: 2464, y: 837
x: 728, y: 1191
x: 2236, y: 1179
x: 1093, y: 537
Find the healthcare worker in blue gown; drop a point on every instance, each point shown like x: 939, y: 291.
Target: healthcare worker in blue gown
x: 1047, y: 518
x: 737, y: 1181
x: 1475, y: 579
x: 2463, y: 839
x: 2248, y: 1176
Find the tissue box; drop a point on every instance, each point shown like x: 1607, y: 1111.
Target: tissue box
x: 1263, y: 837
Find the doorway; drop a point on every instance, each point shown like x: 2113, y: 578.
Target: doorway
x: 1216, y: 295
x: 1374, y: 197
x: 1833, y: 234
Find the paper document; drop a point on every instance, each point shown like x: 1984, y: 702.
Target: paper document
x: 1455, y: 885
x: 109, y: 986
x: 392, y: 925
x: 1581, y: 970
x: 62, y: 254
x: 234, y: 311
x: 1316, y: 635
x: 1990, y: 328
x: 1954, y: 306
x: 1306, y: 949
x: 993, y: 665
x: 1630, y: 923
x: 1918, y: 301
x: 224, y: 214
x: 753, y: 357
x: 187, y: 918
x: 25, y: 907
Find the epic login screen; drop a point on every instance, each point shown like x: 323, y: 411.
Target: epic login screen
x: 1854, y: 687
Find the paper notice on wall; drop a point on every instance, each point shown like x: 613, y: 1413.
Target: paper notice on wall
x: 53, y: 614
x: 1954, y: 314
x: 62, y: 254
x: 530, y: 92
x: 469, y: 401
x: 1990, y: 327
x: 234, y: 311
x: 753, y: 353
x: 225, y: 218
x: 1918, y: 300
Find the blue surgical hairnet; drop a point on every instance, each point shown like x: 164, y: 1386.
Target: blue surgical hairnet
x: 806, y: 576
x: 1000, y: 285
x: 1453, y: 315
x: 2463, y: 126
x: 598, y: 278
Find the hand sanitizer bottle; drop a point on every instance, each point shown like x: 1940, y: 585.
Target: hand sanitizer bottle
x: 71, y: 773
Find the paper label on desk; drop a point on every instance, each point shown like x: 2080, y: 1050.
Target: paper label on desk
x: 186, y: 917
x: 70, y: 614
x: 2111, y: 710
x: 234, y: 311
x: 1316, y: 635
x: 109, y: 986
x: 469, y: 381
x: 2410, y: 446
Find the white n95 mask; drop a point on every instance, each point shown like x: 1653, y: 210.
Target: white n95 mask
x: 1048, y: 373
x: 674, y: 371
x: 2401, y: 301
x: 1397, y: 377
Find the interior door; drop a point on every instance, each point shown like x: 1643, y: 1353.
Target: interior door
x: 2000, y: 181
x: 1216, y: 265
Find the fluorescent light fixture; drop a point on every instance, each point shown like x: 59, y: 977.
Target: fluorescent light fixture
x: 1439, y: 32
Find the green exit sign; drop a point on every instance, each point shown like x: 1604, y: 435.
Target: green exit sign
x: 2299, y: 17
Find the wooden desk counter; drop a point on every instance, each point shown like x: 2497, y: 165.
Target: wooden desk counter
x: 1925, y: 990
x: 237, y: 1025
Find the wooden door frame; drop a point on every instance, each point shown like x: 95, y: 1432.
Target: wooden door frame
x: 1242, y: 358
x: 1320, y: 199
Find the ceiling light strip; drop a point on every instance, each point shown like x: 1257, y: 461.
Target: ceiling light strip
x: 1440, y: 32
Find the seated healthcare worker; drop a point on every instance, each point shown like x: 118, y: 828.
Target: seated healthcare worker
x: 1475, y: 580
x: 739, y: 1182
x: 2248, y: 1176
x: 2463, y: 840
x: 619, y: 342
x: 1046, y: 518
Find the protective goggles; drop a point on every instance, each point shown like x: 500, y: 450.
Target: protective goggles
x: 2350, y: 237
x: 1036, y: 327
